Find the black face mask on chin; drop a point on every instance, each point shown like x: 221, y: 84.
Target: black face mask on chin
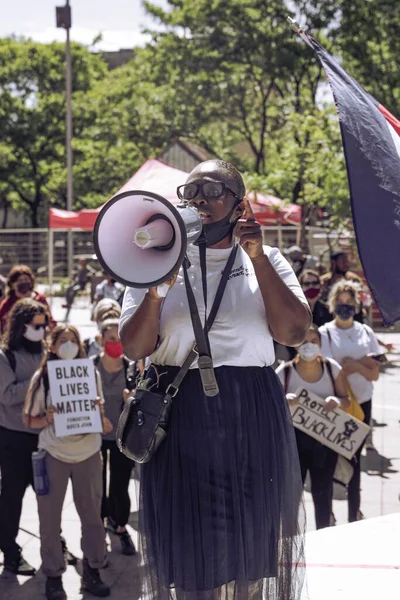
x: 215, y: 232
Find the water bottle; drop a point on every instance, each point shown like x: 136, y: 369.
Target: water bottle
x: 40, y: 476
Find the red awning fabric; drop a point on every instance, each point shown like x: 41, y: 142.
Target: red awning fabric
x: 154, y: 176
x: 270, y: 210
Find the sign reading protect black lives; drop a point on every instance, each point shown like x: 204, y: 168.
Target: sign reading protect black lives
x: 335, y: 428
x: 73, y: 394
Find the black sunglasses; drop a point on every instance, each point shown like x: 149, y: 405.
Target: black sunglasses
x: 37, y: 327
x: 310, y: 284
x: 211, y: 190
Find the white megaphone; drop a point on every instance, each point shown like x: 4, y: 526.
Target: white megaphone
x: 141, y: 239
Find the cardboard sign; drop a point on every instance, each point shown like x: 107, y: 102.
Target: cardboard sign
x: 73, y: 394
x: 335, y: 429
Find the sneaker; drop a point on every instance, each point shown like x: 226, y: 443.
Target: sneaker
x: 70, y: 559
x: 91, y: 581
x: 18, y: 565
x: 128, y: 547
x: 54, y: 589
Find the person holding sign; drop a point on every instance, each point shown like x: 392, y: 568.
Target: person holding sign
x: 220, y: 496
x: 354, y: 346
x: 117, y: 377
x: 325, y: 378
x: 76, y: 457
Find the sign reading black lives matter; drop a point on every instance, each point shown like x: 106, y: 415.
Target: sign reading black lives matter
x: 335, y: 428
x: 73, y: 394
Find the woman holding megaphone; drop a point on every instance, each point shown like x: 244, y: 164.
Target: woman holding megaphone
x: 220, y: 497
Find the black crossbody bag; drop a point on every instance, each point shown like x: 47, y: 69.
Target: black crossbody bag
x: 143, y: 422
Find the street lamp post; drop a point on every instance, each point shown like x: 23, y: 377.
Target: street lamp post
x: 64, y: 21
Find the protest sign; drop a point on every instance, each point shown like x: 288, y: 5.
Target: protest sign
x: 335, y: 429
x: 73, y: 394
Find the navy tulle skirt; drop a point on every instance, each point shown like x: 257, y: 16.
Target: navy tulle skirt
x: 220, y: 499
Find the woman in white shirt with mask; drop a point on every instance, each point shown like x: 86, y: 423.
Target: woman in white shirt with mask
x: 220, y: 497
x: 353, y: 345
x: 323, y: 377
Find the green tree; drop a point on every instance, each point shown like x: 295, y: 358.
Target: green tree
x: 32, y: 120
x: 367, y: 35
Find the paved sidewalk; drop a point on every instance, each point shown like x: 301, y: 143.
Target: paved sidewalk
x: 380, y: 496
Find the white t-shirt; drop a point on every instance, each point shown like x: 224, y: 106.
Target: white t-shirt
x: 322, y: 388
x: 355, y: 342
x: 240, y: 334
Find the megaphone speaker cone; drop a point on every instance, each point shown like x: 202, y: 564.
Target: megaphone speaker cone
x: 141, y: 239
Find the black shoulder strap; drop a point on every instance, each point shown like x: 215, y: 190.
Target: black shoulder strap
x: 11, y: 358
x: 86, y: 344
x: 95, y: 359
x: 330, y: 373
x: 130, y: 373
x: 46, y: 386
x: 328, y: 333
x: 366, y: 330
x: 287, y: 370
x: 201, y: 348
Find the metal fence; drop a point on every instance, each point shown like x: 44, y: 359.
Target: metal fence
x: 31, y: 247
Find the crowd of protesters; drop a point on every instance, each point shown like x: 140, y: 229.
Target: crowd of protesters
x: 336, y: 360
x: 99, y: 473
x: 339, y: 360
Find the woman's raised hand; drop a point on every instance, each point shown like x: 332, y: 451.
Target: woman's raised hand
x: 249, y: 232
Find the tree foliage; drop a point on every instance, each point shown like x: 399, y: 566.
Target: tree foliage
x: 227, y: 74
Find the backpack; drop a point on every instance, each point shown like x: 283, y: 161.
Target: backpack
x: 130, y: 370
x: 288, y: 369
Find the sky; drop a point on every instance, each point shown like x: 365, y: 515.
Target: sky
x: 120, y: 21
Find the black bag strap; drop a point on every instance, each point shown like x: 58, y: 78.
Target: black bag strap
x: 11, y: 358
x: 287, y: 370
x: 46, y: 385
x: 201, y: 349
x: 330, y: 373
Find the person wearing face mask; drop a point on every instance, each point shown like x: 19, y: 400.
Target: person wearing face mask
x: 105, y: 309
x: 21, y: 283
x: 20, y: 356
x: 311, y: 285
x: 352, y: 345
x: 118, y: 376
x: 76, y: 457
x: 219, y: 499
x: 324, y: 378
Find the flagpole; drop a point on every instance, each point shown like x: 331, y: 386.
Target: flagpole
x: 301, y: 32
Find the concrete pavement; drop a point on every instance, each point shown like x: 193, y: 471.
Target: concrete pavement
x: 344, y: 560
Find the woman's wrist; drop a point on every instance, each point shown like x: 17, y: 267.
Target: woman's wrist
x: 259, y: 259
x: 152, y: 297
